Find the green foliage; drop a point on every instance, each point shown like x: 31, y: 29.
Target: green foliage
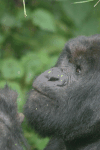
x: 38, y: 142
x: 11, y: 69
x: 2, y: 38
x: 30, y: 45
x: 34, y: 63
x: 8, y: 20
x: 44, y: 19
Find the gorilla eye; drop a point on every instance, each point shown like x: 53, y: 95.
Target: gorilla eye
x: 78, y: 69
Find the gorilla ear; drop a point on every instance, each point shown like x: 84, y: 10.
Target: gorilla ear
x: 21, y: 117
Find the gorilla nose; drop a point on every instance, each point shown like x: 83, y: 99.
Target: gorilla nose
x: 51, y: 77
x: 56, y: 75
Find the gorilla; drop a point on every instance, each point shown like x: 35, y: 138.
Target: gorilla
x: 64, y: 103
x: 11, y: 137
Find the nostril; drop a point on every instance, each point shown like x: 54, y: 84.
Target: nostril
x: 53, y: 79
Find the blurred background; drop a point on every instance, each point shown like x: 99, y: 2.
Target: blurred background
x: 30, y: 45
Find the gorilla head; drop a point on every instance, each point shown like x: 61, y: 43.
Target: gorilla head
x: 65, y: 102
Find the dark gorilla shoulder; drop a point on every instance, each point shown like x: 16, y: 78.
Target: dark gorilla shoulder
x: 64, y: 103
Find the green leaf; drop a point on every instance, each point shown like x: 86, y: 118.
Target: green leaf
x: 41, y: 143
x: 11, y: 69
x: 93, y: 23
x: 76, y: 12
x: 2, y: 38
x: 32, y: 64
x: 8, y: 20
x: 44, y: 19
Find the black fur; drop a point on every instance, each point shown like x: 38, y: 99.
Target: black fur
x: 11, y: 137
x: 65, y: 102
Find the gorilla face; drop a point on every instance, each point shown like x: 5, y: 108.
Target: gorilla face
x: 65, y: 101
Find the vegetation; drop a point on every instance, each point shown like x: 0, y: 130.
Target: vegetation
x: 30, y: 45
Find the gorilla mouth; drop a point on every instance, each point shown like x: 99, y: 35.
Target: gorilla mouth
x: 39, y: 92
x: 36, y: 90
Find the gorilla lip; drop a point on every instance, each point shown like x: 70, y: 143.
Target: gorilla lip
x: 39, y: 92
x: 42, y: 93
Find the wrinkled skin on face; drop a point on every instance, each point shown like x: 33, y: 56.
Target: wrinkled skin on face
x: 64, y: 103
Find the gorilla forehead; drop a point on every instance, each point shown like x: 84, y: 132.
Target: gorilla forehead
x: 83, y: 45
